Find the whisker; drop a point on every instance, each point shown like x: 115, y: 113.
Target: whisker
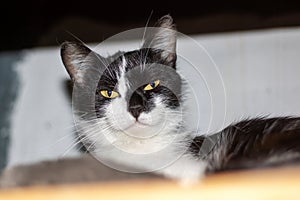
x: 74, y: 36
x: 146, y: 26
x: 70, y: 147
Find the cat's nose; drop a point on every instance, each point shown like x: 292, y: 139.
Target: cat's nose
x: 136, y: 110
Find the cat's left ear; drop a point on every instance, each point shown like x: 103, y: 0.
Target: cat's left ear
x: 162, y: 39
x: 79, y: 60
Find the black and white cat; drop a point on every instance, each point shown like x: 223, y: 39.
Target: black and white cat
x: 128, y: 110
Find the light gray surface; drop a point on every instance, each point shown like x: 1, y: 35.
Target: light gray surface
x: 260, y: 71
x: 42, y: 126
x: 83, y: 169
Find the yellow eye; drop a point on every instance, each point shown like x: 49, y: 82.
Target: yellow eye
x: 152, y: 85
x: 109, y: 94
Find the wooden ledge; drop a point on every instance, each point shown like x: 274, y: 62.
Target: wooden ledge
x: 280, y: 183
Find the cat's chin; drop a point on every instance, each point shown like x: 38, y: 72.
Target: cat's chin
x: 139, y: 125
x: 141, y: 130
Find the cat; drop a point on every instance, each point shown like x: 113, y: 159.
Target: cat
x: 128, y: 109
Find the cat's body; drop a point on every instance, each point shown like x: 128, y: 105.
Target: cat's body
x: 129, y: 111
x: 253, y: 143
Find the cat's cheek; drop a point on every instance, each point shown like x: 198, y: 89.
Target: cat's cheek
x: 152, y: 118
x: 160, y: 113
x: 118, y: 116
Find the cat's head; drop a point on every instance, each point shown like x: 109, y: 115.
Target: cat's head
x: 136, y: 95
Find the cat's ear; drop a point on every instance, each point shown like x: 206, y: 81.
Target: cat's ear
x: 78, y: 59
x: 162, y: 39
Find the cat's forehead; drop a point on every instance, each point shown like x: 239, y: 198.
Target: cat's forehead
x: 138, y: 68
x: 134, y: 64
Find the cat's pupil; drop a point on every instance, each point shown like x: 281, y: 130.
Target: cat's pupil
x: 109, y: 92
x: 152, y: 84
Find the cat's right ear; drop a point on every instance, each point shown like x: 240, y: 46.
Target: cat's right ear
x: 78, y: 59
x: 162, y: 39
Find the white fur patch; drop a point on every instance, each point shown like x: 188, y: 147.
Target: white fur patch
x: 186, y: 169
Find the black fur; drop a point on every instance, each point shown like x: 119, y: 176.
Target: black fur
x: 253, y: 143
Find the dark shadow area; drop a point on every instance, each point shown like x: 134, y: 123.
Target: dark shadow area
x: 41, y: 23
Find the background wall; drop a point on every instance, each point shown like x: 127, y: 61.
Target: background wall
x: 255, y: 46
x: 259, y: 69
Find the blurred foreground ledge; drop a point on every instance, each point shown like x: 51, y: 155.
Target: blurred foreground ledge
x: 279, y: 183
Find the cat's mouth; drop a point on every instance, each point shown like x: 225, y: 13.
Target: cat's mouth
x: 141, y: 130
x: 138, y: 124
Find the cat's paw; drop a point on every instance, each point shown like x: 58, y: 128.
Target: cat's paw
x: 190, y: 181
x: 185, y: 171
